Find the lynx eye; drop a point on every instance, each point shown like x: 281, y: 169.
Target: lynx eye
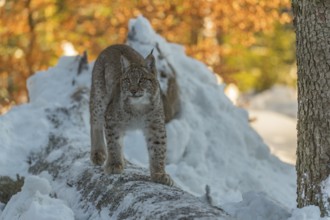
x: 146, y: 80
x: 143, y: 81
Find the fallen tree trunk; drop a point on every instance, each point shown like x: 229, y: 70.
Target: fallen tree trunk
x: 130, y: 195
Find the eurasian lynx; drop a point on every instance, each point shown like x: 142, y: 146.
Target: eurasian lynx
x: 125, y: 94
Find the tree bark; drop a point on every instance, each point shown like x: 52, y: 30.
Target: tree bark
x: 312, y: 23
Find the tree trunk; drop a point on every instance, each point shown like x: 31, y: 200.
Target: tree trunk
x: 312, y: 23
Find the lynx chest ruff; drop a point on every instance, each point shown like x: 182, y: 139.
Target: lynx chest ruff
x: 140, y: 102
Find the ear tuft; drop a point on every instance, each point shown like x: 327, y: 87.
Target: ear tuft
x: 150, y: 62
x: 124, y: 63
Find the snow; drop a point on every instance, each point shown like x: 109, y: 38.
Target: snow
x: 22, y: 130
x: 275, y: 114
x: 325, y: 188
x: 210, y: 143
x: 279, y: 132
x: 307, y: 213
x: 34, y: 202
x: 263, y: 208
x: 279, y: 98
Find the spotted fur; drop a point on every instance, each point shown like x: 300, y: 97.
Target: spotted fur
x: 125, y: 94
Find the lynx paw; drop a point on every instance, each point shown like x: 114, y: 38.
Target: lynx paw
x: 98, y: 157
x: 162, y: 178
x: 114, y: 168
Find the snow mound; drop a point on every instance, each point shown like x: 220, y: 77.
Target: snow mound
x: 279, y: 98
x: 22, y: 130
x: 307, y: 213
x: 263, y: 208
x: 210, y: 142
x: 281, y: 136
x: 34, y: 202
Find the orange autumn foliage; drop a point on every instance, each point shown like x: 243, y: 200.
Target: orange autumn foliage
x: 33, y: 31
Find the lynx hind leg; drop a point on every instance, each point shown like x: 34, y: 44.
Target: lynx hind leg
x: 156, y: 140
x: 115, y: 161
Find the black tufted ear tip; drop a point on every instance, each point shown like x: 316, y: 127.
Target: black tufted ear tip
x: 124, y: 63
x: 150, y: 61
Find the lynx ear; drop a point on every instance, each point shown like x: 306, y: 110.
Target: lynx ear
x: 150, y: 62
x: 124, y: 63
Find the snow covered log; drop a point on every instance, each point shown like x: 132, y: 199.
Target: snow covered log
x: 128, y: 195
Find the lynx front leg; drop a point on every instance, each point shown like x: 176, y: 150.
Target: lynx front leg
x: 114, y: 137
x: 98, y: 145
x: 156, y: 140
x: 97, y: 136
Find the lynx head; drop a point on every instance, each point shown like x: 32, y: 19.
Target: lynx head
x: 138, y: 81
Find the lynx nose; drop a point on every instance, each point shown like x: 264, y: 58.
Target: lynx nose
x: 134, y: 91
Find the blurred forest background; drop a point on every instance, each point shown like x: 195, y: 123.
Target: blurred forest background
x: 247, y: 42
